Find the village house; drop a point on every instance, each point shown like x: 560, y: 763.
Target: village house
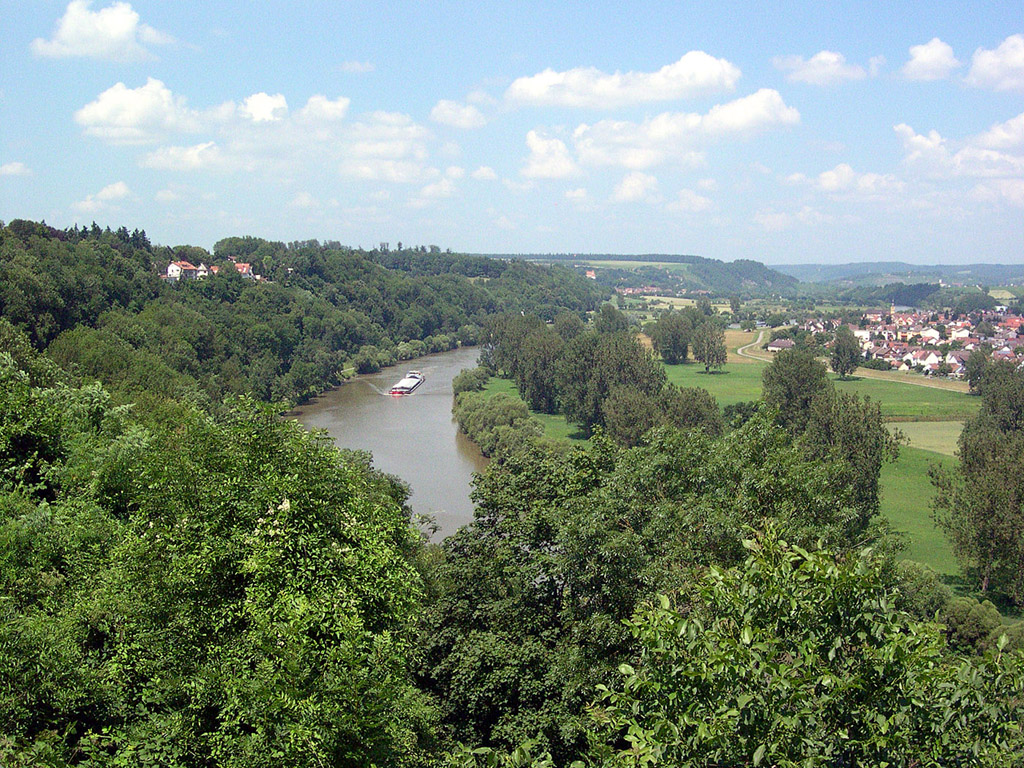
x: 780, y: 344
x: 182, y: 270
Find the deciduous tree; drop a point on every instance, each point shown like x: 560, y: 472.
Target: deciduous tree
x: 709, y: 345
x: 845, y: 355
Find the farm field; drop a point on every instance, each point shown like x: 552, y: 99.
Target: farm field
x: 906, y: 494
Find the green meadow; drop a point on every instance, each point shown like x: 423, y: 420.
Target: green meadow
x: 907, y: 493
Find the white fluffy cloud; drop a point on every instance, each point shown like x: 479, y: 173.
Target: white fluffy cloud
x: 484, y: 173
x: 15, y: 168
x: 688, y: 201
x: 321, y: 108
x: 936, y: 157
x: 457, y: 115
x: 1001, y: 69
x: 97, y: 202
x: 636, y: 186
x: 823, y: 68
x: 113, y: 33
x: 1009, y: 191
x: 264, y: 108
x: 696, y: 73
x: 844, y: 179
x: 1004, y: 135
x: 549, y: 158
x: 123, y: 115
x: 206, y: 156
x: 675, y: 136
x: 933, y: 60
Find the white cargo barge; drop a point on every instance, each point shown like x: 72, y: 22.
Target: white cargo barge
x: 408, y: 384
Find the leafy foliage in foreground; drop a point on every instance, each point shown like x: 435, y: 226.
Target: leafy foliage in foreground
x: 183, y: 590
x: 527, y: 606
x: 801, y: 658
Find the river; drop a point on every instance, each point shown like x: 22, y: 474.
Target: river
x: 413, y: 437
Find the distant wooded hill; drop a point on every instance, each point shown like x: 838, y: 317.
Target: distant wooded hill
x: 883, y: 272
x: 95, y: 300
x: 677, y: 271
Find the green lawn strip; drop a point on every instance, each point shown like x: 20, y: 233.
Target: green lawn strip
x: 906, y: 401
x: 938, y: 436
x: 906, y: 495
x: 555, y: 426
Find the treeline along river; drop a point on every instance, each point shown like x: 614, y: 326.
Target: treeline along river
x: 413, y: 437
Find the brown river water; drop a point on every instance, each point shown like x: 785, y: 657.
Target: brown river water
x: 413, y: 437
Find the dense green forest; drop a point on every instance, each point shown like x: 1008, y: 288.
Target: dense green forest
x: 96, y: 300
x: 723, y: 278
x: 188, y: 579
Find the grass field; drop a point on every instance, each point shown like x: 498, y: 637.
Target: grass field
x: 936, y: 436
x: 902, y: 401
x: 738, y: 381
x: 906, y: 501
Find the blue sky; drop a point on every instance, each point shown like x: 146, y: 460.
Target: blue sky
x: 800, y: 132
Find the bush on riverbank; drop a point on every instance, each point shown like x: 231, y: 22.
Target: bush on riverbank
x: 498, y: 425
x: 470, y: 380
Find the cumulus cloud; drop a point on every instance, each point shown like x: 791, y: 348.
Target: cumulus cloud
x: 442, y: 188
x: 549, y: 158
x: 823, y: 68
x: 933, y: 60
x: 386, y: 146
x: 934, y: 156
x: 123, y: 115
x: 843, y: 179
x: 206, y: 156
x: 484, y: 173
x: 636, y: 186
x: 319, y: 107
x: 97, y: 202
x: 1004, y: 135
x: 379, y: 146
x: 1010, y: 191
x: 676, y: 136
x: 15, y: 169
x: 696, y: 73
x: 688, y: 201
x: 112, y: 33
x: 1001, y: 69
x: 457, y: 115
x: 264, y: 108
